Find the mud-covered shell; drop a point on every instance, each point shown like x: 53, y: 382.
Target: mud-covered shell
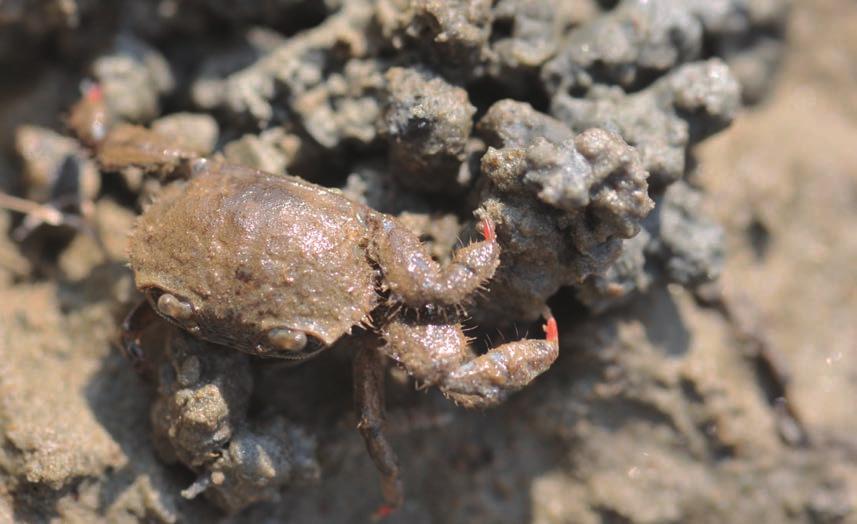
x: 251, y: 251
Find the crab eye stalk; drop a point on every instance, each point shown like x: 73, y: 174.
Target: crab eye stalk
x: 173, y: 307
x: 286, y: 339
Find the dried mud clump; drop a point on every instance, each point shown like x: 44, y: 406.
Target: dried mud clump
x: 288, y: 71
x: 451, y: 34
x: 639, y: 40
x: 675, y: 245
x: 133, y: 77
x: 664, y: 120
x: 200, y: 419
x: 55, y: 167
x: 345, y: 107
x: 506, y: 41
x: 562, y: 204
x: 427, y: 122
x: 628, y: 46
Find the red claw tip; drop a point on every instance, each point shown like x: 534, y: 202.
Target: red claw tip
x: 488, y: 229
x: 94, y: 93
x: 383, y: 512
x: 551, y: 331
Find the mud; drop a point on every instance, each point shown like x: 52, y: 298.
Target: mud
x: 697, y: 252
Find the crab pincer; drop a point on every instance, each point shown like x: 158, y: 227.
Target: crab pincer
x: 488, y: 230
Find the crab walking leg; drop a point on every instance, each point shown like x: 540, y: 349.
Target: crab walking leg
x: 118, y: 146
x: 417, y: 279
x: 137, y: 320
x: 438, y: 354
x: 369, y: 400
x: 134, y: 146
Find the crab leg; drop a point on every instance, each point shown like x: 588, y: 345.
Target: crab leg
x: 119, y: 146
x: 138, y: 319
x: 369, y: 399
x: 417, y: 280
x: 437, y: 353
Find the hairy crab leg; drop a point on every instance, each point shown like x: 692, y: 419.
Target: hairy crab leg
x: 417, y: 280
x: 369, y: 372
x: 136, y: 321
x: 438, y: 353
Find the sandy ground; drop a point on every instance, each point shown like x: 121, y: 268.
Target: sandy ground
x: 784, y: 183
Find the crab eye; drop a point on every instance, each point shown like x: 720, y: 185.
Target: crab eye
x: 286, y: 339
x: 175, y: 308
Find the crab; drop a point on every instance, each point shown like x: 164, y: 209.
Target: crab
x: 274, y: 266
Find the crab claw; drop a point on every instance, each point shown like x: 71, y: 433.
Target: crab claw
x: 551, y: 330
x: 93, y: 92
x: 383, y: 512
x: 488, y: 229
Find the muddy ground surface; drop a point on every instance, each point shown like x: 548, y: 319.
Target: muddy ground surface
x: 667, y: 408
